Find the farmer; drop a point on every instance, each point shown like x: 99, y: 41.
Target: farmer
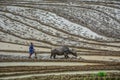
x: 31, y: 50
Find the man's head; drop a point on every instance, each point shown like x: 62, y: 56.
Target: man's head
x: 31, y: 43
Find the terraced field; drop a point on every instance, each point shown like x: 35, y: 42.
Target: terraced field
x: 91, y: 27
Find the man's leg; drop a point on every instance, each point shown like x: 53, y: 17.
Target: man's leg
x: 30, y: 55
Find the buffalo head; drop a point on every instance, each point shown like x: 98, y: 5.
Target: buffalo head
x: 73, y: 52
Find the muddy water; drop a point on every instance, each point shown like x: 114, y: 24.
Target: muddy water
x: 2, y: 64
x: 59, y: 73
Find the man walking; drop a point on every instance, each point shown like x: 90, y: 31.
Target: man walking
x: 31, y: 50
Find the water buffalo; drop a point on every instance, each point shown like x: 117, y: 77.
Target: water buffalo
x: 63, y: 50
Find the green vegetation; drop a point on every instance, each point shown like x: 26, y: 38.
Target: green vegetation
x: 102, y: 74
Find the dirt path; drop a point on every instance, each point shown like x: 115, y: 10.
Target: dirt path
x: 59, y: 73
x: 45, y: 56
x: 2, y: 64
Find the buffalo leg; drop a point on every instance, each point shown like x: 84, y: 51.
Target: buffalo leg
x: 54, y: 56
x: 51, y: 56
x: 66, y: 55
